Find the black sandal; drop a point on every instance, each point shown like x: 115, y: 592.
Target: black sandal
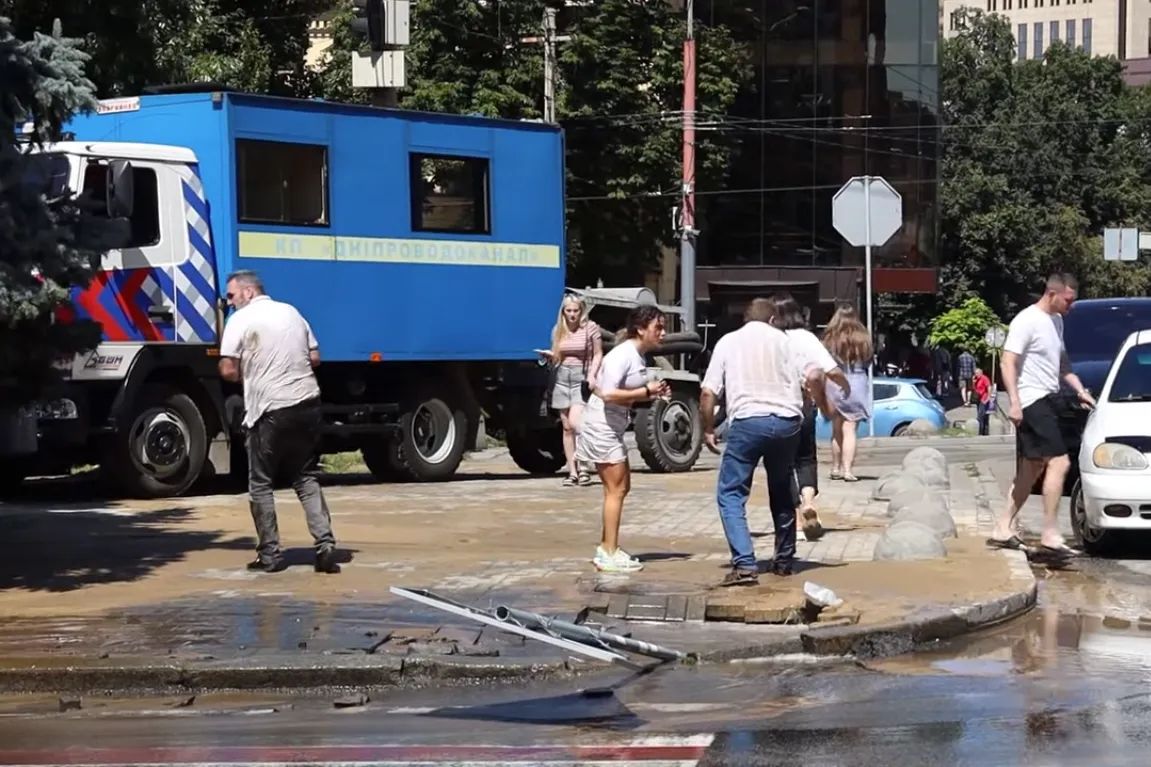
x: 1014, y: 543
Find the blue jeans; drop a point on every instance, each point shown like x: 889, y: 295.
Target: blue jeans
x: 772, y: 440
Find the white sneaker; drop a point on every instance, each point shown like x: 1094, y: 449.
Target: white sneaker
x: 618, y: 562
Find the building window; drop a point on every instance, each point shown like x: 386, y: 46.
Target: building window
x: 1071, y: 32
x: 1023, y: 5
x: 1087, y: 36
x: 1021, y: 42
x: 282, y: 183
x: 1038, y: 42
x: 1054, y: 32
x: 957, y: 21
x: 145, y: 218
x: 450, y: 194
x: 1007, y: 5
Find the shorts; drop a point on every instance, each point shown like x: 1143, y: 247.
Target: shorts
x: 1040, y: 434
x: 566, y: 391
x: 599, y: 444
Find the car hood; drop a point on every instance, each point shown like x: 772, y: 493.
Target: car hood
x: 1118, y: 419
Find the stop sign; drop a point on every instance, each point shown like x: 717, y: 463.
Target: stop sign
x: 849, y: 210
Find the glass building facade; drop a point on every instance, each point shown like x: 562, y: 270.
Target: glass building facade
x: 841, y: 88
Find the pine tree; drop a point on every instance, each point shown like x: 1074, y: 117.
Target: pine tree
x: 48, y: 240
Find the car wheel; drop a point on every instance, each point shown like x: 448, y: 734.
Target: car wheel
x: 1095, y: 541
x: 902, y: 430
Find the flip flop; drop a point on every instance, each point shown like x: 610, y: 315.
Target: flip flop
x: 1063, y: 551
x: 1014, y: 543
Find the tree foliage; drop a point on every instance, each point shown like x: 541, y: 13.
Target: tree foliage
x: 48, y: 239
x: 964, y: 327
x: 1039, y: 157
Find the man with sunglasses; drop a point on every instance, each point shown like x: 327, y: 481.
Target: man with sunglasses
x: 270, y: 348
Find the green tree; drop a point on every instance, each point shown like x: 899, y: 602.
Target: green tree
x: 49, y: 242
x: 1037, y: 158
x: 963, y: 328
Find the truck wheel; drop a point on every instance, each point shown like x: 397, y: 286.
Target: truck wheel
x: 432, y: 439
x: 162, y: 445
x: 381, y: 460
x: 668, y: 432
x: 537, y: 451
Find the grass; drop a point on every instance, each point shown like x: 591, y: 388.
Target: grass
x: 344, y: 463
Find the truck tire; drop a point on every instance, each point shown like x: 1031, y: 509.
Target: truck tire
x: 381, y: 459
x: 432, y: 439
x: 668, y: 432
x: 162, y: 445
x: 537, y: 451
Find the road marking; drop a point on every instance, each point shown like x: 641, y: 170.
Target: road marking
x: 654, y: 751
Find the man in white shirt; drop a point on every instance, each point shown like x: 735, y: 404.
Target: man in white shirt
x: 270, y: 349
x: 761, y: 374
x: 1034, y: 362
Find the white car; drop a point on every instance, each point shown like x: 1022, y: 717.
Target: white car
x: 1113, y: 493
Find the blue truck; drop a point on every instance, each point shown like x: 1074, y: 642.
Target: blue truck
x: 426, y: 250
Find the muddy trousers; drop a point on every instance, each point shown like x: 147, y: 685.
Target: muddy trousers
x: 282, y: 448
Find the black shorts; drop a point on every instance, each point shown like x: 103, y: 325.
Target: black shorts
x: 1040, y: 435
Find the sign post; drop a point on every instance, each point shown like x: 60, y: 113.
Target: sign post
x: 867, y: 211
x: 995, y: 337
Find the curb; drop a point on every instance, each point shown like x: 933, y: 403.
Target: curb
x: 279, y: 672
x: 929, y: 625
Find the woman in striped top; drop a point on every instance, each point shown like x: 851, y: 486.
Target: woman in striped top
x: 576, y: 355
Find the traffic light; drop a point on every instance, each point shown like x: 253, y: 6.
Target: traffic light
x: 369, y: 21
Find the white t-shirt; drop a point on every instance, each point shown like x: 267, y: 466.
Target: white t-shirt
x: 808, y: 351
x: 1037, y: 337
x: 271, y: 340
x: 761, y: 369
x: 622, y: 368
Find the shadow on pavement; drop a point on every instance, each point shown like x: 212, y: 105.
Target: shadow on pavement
x: 65, y: 548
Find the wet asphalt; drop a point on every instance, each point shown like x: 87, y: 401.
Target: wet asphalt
x: 1068, y: 684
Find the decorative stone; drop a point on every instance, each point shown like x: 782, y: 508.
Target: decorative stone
x: 894, y: 483
x: 933, y: 516
x: 922, y: 428
x: 918, y: 497
x: 922, y: 455
x: 909, y: 541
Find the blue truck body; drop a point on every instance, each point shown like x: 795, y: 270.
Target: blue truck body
x: 372, y: 286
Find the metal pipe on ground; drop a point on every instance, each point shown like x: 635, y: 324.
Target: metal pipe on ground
x: 583, y: 634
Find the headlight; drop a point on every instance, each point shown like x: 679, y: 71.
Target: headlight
x: 1111, y: 455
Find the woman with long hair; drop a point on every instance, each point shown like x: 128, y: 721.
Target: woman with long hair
x: 623, y: 382
x: 576, y: 355
x: 850, y: 345
x: 788, y: 315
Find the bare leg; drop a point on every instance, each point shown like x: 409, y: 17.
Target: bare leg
x: 1057, y: 469
x: 569, y: 441
x: 836, y: 445
x: 575, y: 418
x: 616, y: 478
x: 1025, y: 475
x: 848, y: 438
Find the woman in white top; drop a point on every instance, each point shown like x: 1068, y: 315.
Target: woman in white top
x: 623, y: 382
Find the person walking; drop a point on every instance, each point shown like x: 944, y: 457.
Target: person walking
x: 759, y: 372
x: 966, y: 365
x: 576, y: 355
x: 981, y: 390
x: 789, y: 316
x: 269, y: 348
x: 1034, y: 362
x: 850, y: 344
x: 623, y: 382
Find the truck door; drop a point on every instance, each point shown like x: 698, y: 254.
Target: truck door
x: 134, y: 295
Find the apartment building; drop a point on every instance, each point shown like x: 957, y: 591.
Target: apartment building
x: 1120, y: 28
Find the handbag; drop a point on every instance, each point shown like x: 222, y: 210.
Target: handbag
x: 585, y: 384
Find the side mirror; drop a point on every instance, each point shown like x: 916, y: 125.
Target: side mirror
x: 120, y: 193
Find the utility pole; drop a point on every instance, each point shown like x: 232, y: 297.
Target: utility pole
x: 548, y: 41
x: 687, y: 221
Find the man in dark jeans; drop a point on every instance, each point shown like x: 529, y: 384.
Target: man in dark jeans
x: 761, y: 377
x: 271, y: 349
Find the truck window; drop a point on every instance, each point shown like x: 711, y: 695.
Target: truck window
x: 282, y: 183
x: 449, y: 194
x: 145, y: 220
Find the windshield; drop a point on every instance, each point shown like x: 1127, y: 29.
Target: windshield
x: 1133, y: 379
x: 1095, y: 332
x: 47, y: 173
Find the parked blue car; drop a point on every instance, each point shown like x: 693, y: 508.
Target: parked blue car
x: 897, y: 402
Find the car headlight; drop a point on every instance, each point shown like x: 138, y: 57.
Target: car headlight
x: 1111, y: 455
